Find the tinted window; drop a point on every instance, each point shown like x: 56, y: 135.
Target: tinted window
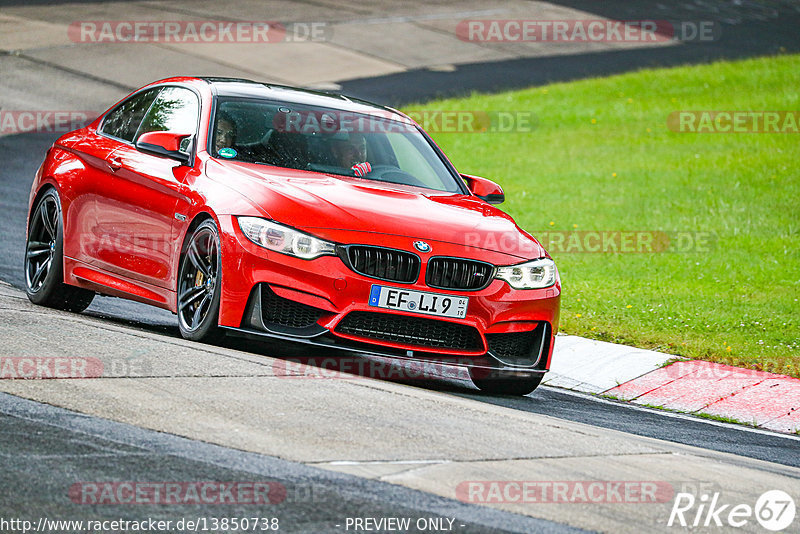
x: 175, y: 110
x: 124, y: 120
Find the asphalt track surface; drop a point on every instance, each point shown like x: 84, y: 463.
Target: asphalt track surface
x: 62, y: 446
x: 90, y: 448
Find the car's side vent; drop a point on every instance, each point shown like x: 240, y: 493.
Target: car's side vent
x: 277, y: 310
x: 382, y: 263
x: 521, y: 349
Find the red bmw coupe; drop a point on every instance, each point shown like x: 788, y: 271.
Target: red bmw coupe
x: 261, y: 210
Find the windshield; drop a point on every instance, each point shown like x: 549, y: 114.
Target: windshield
x: 327, y: 140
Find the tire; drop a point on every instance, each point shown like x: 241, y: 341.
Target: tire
x: 199, y: 286
x: 503, y: 382
x: 44, y: 259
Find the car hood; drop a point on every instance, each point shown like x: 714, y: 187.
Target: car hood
x: 327, y: 205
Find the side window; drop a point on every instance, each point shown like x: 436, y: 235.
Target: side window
x: 123, y: 121
x: 175, y: 110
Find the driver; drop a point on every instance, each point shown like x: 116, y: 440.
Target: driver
x: 350, y: 153
x: 224, y: 132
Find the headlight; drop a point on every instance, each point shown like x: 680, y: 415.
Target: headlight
x: 531, y: 275
x: 283, y: 239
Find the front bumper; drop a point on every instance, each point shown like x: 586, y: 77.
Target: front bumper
x: 324, y: 302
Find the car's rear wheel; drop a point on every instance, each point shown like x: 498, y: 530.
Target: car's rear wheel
x: 504, y: 382
x: 199, y: 285
x: 44, y: 259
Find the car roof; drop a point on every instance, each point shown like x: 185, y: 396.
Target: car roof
x: 243, y: 88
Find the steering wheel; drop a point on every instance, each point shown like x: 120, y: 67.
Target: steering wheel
x: 395, y: 175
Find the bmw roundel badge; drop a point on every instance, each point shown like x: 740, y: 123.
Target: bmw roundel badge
x: 422, y: 246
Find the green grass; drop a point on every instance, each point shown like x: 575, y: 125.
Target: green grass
x: 724, y: 419
x: 602, y: 158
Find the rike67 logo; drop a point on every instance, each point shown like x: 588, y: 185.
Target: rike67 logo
x: 774, y: 510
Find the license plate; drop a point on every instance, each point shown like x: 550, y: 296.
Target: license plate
x: 394, y: 298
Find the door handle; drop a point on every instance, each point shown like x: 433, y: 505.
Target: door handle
x: 114, y: 163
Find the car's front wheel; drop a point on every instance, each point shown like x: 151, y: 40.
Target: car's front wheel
x: 44, y: 259
x: 199, y: 285
x: 505, y: 382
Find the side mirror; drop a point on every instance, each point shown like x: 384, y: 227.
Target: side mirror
x: 485, y: 189
x: 167, y: 144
